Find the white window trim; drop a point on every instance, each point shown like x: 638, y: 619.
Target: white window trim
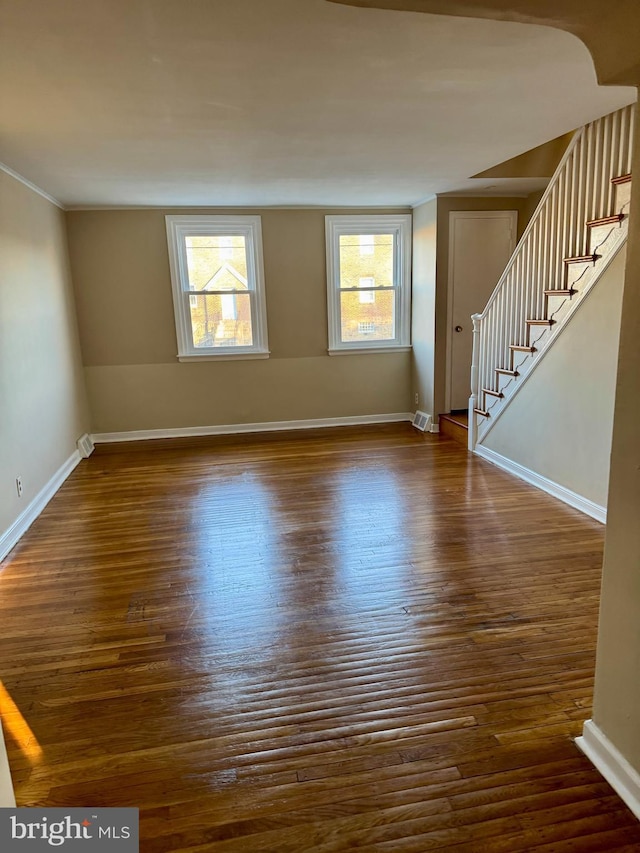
x: 400, y: 226
x: 179, y: 227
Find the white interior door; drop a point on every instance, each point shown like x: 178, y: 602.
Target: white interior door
x: 480, y: 244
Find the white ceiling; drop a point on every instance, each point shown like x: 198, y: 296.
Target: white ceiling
x: 276, y: 102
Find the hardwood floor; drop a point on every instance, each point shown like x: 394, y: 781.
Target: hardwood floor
x: 320, y: 641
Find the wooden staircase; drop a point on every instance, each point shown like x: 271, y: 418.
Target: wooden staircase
x: 578, y: 228
x: 547, y: 322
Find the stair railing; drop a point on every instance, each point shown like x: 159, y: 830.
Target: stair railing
x: 579, y: 191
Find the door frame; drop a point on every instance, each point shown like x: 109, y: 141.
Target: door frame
x: 453, y: 216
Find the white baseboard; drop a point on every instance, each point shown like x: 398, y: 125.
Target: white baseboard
x: 7, y: 798
x: 232, y: 429
x: 26, y: 518
x: 555, y: 489
x: 610, y: 762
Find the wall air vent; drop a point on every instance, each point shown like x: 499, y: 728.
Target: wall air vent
x: 421, y: 421
x: 85, y: 446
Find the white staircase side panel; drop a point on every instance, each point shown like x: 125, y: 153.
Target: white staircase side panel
x: 559, y: 425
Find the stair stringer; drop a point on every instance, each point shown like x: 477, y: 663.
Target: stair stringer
x: 525, y: 363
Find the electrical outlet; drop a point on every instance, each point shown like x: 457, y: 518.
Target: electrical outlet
x: 19, y: 486
x: 416, y: 399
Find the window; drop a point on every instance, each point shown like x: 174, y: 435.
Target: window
x: 218, y: 286
x: 368, y: 282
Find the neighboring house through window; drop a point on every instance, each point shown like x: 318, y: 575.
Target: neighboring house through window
x: 366, y: 242
x: 226, y: 247
x: 368, y: 282
x: 367, y: 295
x: 218, y: 286
x: 229, y: 311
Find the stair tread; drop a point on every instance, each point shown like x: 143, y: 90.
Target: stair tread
x: 560, y: 292
x: 492, y: 393
x: 460, y: 420
x: 582, y: 259
x: 520, y: 348
x: 621, y: 179
x: 504, y: 371
x: 482, y: 412
x: 605, y: 220
x: 540, y: 322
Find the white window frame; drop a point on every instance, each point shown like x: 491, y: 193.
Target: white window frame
x: 180, y: 227
x: 399, y: 225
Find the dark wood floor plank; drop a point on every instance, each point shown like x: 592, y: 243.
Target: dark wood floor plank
x: 329, y: 640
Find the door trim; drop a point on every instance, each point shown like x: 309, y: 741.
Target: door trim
x: 453, y: 216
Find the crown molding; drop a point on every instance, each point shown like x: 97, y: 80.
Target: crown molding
x: 36, y: 189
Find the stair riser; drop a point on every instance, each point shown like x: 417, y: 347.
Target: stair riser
x: 623, y: 198
x: 576, y: 273
x: 537, y: 333
x: 456, y: 431
x: 599, y: 234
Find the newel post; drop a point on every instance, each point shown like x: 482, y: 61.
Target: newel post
x: 473, y: 399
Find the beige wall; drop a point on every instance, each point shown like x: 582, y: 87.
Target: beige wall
x: 529, y: 208
x: 616, y: 707
x: 123, y: 292
x: 570, y: 396
x: 539, y: 162
x: 423, y: 304
x: 41, y: 384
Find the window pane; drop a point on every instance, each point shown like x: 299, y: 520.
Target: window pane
x: 369, y: 321
x: 221, y: 320
x: 217, y: 262
x: 376, y: 264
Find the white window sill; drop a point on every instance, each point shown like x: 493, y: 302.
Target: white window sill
x: 224, y: 356
x: 368, y: 350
